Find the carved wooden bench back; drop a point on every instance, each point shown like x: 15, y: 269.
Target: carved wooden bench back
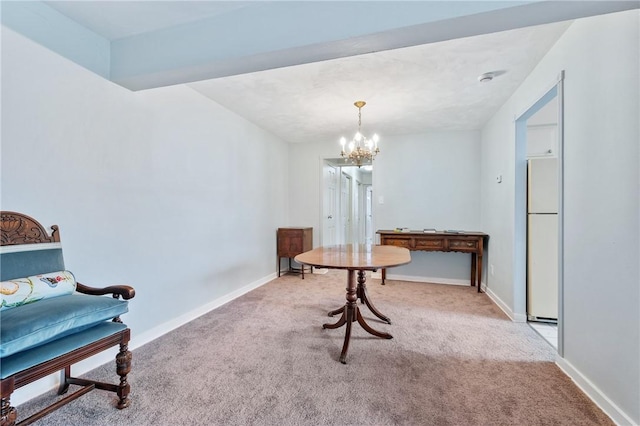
x: 25, y: 247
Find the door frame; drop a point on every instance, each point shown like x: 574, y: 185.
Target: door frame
x: 331, y: 161
x: 556, y: 91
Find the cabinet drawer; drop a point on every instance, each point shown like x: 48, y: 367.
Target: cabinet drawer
x: 463, y: 245
x: 430, y: 244
x: 398, y: 242
x: 290, y: 233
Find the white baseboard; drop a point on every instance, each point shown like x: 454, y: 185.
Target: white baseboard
x: 618, y: 416
x: 49, y: 383
x: 449, y: 281
x: 416, y: 279
x: 505, y: 308
x: 164, y: 328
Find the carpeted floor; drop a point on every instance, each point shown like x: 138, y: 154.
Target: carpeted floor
x: 264, y: 359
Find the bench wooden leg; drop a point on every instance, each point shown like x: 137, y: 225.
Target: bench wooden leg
x: 64, y: 380
x: 123, y: 367
x: 8, y: 414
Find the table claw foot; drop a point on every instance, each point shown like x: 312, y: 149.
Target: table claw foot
x: 374, y: 310
x: 363, y: 295
x: 347, y: 336
x: 335, y: 312
x: 342, y: 321
x: 368, y: 328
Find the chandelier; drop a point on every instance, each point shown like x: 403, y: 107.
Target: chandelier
x: 360, y: 148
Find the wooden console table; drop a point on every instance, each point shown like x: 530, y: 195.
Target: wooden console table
x: 463, y: 242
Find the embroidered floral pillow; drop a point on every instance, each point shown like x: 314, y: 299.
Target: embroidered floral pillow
x: 21, y: 291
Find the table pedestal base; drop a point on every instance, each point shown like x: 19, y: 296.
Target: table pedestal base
x: 363, y: 295
x: 351, y: 312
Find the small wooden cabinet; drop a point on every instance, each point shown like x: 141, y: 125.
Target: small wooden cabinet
x: 291, y: 242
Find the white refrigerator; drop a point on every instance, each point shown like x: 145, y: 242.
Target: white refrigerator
x: 542, y: 239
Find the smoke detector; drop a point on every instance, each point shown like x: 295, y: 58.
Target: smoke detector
x: 486, y: 77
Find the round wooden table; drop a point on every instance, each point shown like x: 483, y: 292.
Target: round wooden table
x: 361, y: 258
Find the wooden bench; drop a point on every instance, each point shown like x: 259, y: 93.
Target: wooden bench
x: 49, y: 321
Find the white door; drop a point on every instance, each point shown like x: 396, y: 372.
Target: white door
x: 368, y: 208
x: 345, y: 209
x: 358, y: 226
x: 329, y: 212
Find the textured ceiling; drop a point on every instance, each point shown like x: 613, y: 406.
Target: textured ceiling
x: 410, y: 90
x: 415, y: 89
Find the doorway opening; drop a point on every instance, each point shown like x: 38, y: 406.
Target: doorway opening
x: 346, y: 203
x: 538, y: 273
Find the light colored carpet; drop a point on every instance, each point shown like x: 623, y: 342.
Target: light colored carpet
x: 264, y: 359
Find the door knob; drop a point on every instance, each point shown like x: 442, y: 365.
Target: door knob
x: 329, y: 217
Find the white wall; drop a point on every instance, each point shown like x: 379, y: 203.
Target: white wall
x: 305, y: 162
x: 428, y: 181
x: 601, y: 231
x: 162, y: 189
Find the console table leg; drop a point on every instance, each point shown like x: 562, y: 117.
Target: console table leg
x: 384, y: 275
x: 473, y: 269
x: 479, y: 262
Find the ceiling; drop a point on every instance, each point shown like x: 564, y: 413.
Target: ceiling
x: 119, y: 19
x: 411, y: 90
x: 415, y: 89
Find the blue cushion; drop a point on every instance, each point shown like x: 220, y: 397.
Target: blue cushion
x: 12, y: 364
x: 34, y: 324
